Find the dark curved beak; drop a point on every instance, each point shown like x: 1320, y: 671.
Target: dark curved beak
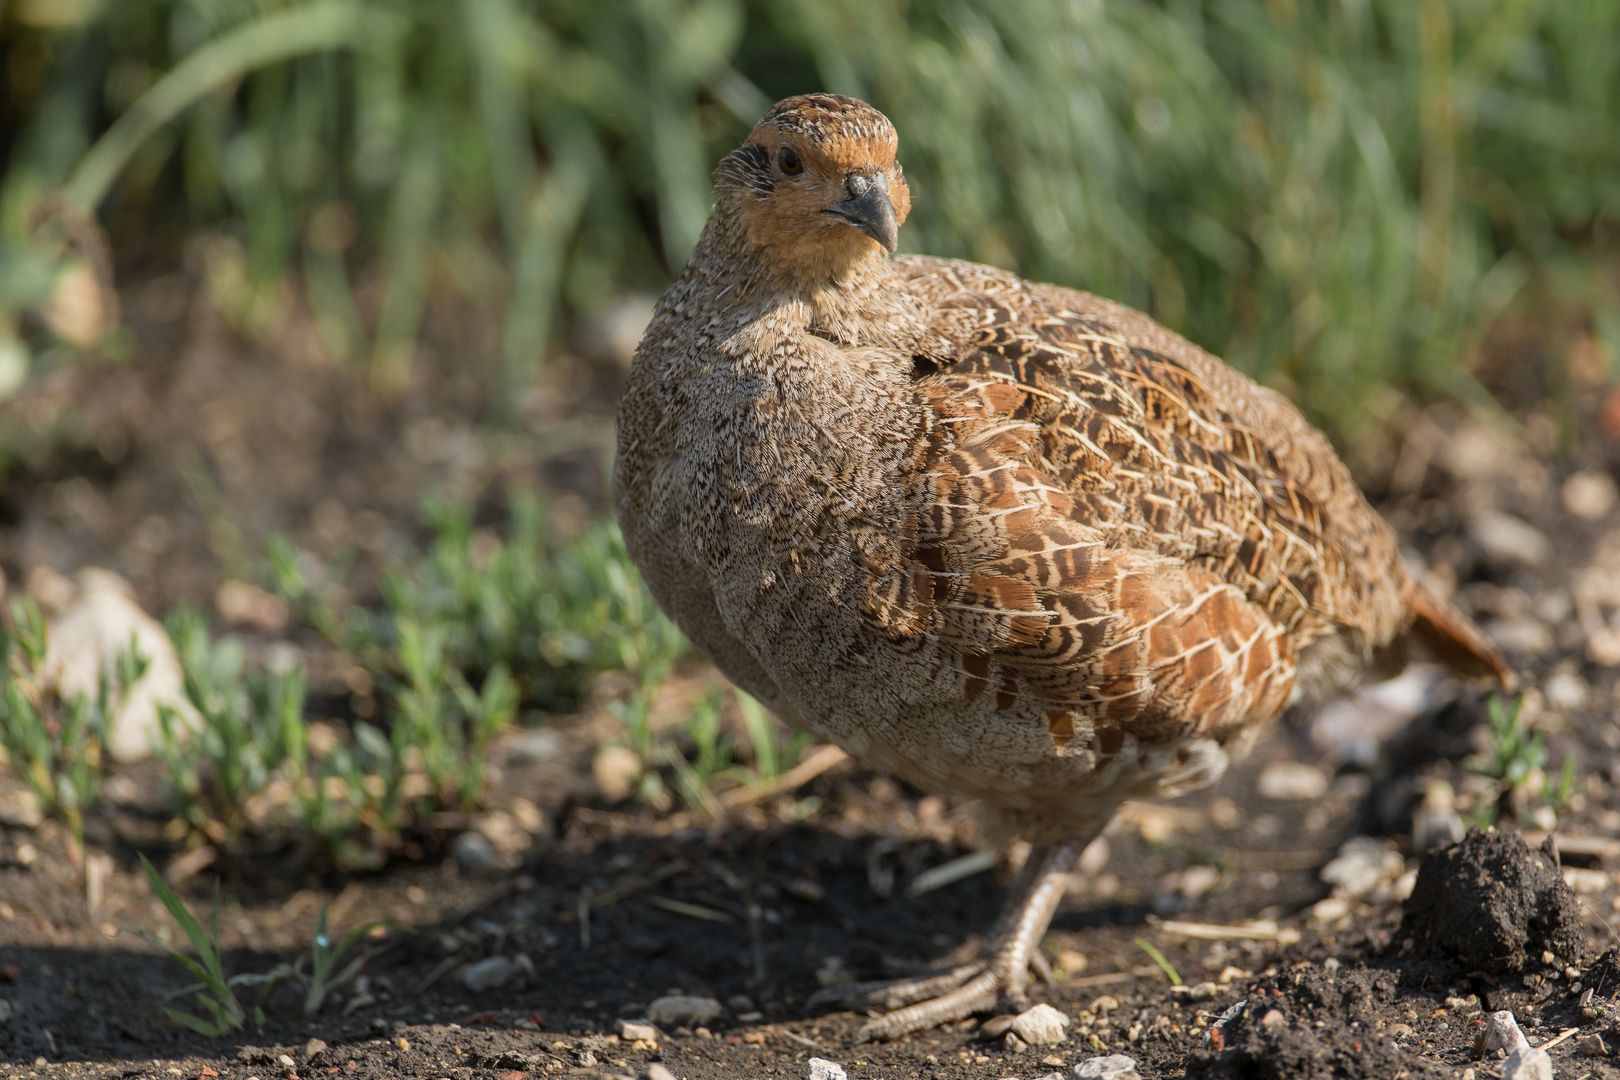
x: 868, y: 208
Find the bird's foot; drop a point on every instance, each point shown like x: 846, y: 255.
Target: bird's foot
x: 926, y: 1001
x: 997, y: 977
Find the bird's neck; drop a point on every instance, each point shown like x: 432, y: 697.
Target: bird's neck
x: 851, y: 295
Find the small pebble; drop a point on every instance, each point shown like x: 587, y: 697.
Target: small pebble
x: 658, y: 1071
x: 1522, y: 635
x: 1527, y: 1063
x: 1590, y: 494
x: 314, y: 1050
x: 677, y: 1009
x: 488, y: 974
x: 615, y: 770
x: 1436, y: 827
x: 822, y: 1069
x: 1330, y: 910
x: 1362, y: 865
x: 1402, y: 886
x: 997, y: 1026
x: 1501, y: 1032
x: 1565, y: 689
x: 1285, y: 780
x: 1040, y: 1025
x: 1591, y: 1046
x: 1508, y: 541
x: 1112, y: 1067
x: 630, y: 1031
x: 474, y: 853
x: 1586, y: 881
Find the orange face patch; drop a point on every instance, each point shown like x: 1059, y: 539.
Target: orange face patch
x: 830, y: 138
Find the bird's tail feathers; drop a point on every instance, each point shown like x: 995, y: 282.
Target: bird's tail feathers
x: 1453, y: 639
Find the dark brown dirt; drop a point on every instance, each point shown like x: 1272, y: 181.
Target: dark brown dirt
x: 1317, y: 1022
x: 1491, y: 904
x: 173, y: 467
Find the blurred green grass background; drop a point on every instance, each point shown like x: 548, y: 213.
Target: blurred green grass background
x: 1338, y: 196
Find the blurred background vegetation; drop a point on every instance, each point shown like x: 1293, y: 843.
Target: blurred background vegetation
x: 1337, y: 196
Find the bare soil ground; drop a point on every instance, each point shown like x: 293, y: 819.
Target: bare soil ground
x: 170, y: 467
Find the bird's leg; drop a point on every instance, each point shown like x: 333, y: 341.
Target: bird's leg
x: 997, y: 975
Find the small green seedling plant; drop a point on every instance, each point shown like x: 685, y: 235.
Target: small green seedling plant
x: 57, y: 746
x: 327, y: 968
x: 330, y: 966
x: 213, y: 989
x: 1513, y: 751
x: 1159, y: 958
x: 1516, y: 758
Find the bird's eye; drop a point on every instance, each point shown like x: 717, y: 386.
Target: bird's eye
x: 789, y: 161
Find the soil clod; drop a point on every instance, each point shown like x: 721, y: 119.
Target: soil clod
x: 1492, y: 904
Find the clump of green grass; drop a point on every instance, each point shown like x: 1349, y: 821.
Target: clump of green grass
x: 1337, y: 196
x: 58, y: 747
x: 467, y: 632
x: 553, y: 616
x: 701, y: 751
x: 213, y: 989
x: 331, y: 966
x: 251, y: 731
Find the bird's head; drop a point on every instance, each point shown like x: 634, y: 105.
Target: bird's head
x: 816, y: 187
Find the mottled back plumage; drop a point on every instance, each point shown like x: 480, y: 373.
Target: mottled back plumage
x: 1004, y: 539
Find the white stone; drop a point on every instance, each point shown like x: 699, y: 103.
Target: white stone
x: 1590, y: 494
x: 1527, y: 1063
x: 1588, y: 882
x: 630, y: 1031
x: 684, y: 1009
x: 1112, y: 1067
x: 1041, y: 1025
x: 1362, y: 865
x: 822, y: 1069
x: 1507, y: 540
x: 1292, y: 780
x: 1565, y: 689
x: 1330, y: 910
x: 1519, y: 635
x: 1502, y: 1033
x: 488, y: 974
x: 615, y: 770
x: 97, y: 619
x: 659, y: 1071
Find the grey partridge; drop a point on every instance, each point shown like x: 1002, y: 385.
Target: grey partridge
x: 1002, y: 539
